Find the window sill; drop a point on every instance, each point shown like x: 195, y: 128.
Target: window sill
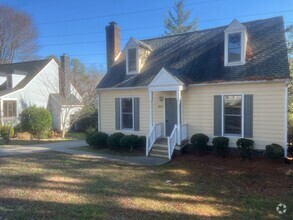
x: 235, y: 63
x: 233, y: 135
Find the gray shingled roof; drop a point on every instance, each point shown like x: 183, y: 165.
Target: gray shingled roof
x: 198, y: 57
x: 30, y: 68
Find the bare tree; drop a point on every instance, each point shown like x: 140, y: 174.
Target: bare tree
x: 17, y: 35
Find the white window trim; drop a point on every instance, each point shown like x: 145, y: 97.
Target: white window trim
x: 243, y: 47
x: 121, y: 126
x: 242, y: 115
x: 137, y: 61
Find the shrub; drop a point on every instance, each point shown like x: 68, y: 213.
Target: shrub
x: 18, y: 128
x: 24, y: 136
x: 114, y: 140
x: 54, y: 134
x: 141, y: 142
x: 245, y: 147
x: 274, y: 152
x: 6, y: 132
x: 36, y: 120
x: 200, y: 142
x: 89, y: 131
x: 128, y: 142
x: 221, y: 145
x: 97, y: 139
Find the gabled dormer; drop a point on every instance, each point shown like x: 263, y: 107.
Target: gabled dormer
x: 136, y: 53
x: 235, y: 44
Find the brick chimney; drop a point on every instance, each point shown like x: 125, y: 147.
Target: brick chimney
x: 112, y: 42
x: 64, y: 75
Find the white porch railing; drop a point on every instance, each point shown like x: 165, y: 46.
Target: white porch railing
x: 155, y: 133
x: 184, y: 132
x: 172, y: 142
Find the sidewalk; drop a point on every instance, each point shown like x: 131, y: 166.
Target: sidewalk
x: 66, y: 147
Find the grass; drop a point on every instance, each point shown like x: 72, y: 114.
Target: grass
x: 73, y: 135
x: 109, y: 151
x: 30, y: 142
x: 61, y: 186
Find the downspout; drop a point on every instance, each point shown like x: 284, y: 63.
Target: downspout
x: 99, y: 111
x: 286, y: 120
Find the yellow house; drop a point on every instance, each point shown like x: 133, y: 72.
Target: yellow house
x: 226, y: 81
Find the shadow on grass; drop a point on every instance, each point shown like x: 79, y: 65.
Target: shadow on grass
x: 55, y: 185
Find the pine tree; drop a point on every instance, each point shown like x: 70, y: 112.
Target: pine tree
x: 177, y: 23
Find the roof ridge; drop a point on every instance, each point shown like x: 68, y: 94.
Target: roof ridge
x: 208, y: 29
x: 25, y: 62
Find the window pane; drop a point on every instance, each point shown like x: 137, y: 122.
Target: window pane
x: 232, y: 124
x: 234, y: 47
x: 126, y: 105
x: 126, y: 113
x: 127, y: 121
x: 232, y: 105
x: 132, y: 60
x: 9, y: 108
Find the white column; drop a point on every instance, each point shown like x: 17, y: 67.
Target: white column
x: 178, y: 97
x: 99, y: 112
x: 151, y: 109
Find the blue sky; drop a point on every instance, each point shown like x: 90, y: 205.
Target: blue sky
x: 77, y: 27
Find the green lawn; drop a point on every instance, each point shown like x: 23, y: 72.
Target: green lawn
x: 111, y: 152
x: 62, y: 186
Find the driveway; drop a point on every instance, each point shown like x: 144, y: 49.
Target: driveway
x: 66, y: 147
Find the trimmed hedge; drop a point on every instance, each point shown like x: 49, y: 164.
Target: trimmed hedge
x: 36, y: 120
x: 245, y: 147
x: 97, y: 139
x: 114, y: 140
x: 200, y: 142
x: 129, y: 142
x: 274, y: 152
x: 221, y: 145
x: 141, y: 142
x: 6, y: 132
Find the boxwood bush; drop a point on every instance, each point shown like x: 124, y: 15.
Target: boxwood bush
x: 36, y: 120
x: 114, y: 140
x: 97, y: 139
x: 200, y: 142
x: 6, y: 133
x: 245, y: 147
x: 141, y: 142
x: 274, y: 152
x: 221, y: 145
x: 128, y: 142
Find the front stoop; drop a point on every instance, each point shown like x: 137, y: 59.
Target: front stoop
x: 160, y: 148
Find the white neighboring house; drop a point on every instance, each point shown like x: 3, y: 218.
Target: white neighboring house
x: 40, y: 83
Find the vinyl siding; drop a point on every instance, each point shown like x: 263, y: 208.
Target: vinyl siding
x: 198, y: 109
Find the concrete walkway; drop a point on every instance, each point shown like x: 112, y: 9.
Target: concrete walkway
x: 66, y: 147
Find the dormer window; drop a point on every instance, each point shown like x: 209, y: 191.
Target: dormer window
x: 132, y: 60
x: 234, y: 47
x: 235, y: 44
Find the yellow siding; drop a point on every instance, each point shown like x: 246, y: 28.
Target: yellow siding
x: 268, y: 110
x: 198, y: 109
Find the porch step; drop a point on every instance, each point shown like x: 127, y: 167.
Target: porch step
x: 163, y: 141
x: 159, y: 150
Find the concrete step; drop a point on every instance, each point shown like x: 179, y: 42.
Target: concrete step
x: 160, y: 146
x: 160, y: 150
x: 159, y: 155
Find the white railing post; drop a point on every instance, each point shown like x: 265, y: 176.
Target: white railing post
x: 147, y: 146
x: 169, y: 148
x: 151, y: 108
x: 178, y: 97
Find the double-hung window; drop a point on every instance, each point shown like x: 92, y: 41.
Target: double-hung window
x: 127, y: 113
x: 132, y: 65
x: 232, y: 115
x: 9, y: 108
x: 234, y: 47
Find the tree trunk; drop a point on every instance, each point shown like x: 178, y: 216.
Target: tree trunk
x: 63, y: 133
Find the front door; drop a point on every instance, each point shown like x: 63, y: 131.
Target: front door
x: 170, y: 115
